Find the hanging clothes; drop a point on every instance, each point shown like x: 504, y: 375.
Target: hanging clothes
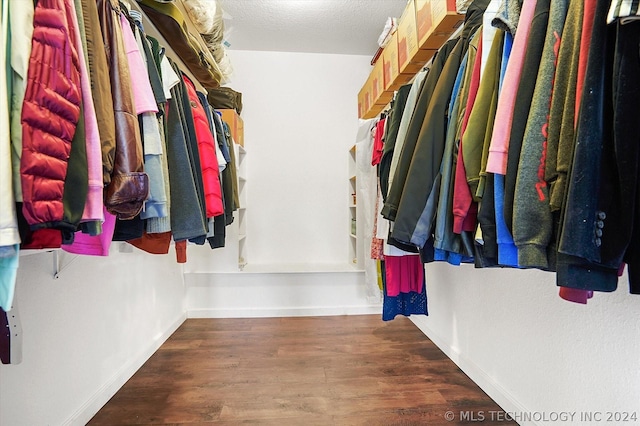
x: 21, y: 23
x: 366, y: 193
x: 92, y: 215
x: 396, y: 116
x: 403, y: 126
x: 405, y: 303
x: 597, y: 228
x: 167, y: 79
x: 464, y: 209
x: 398, y: 178
x: 9, y: 235
x: 100, y: 87
x: 449, y: 246
x: 409, y: 225
x: 60, y: 163
x: 207, y: 153
x: 147, y: 98
x: 187, y: 212
x: 533, y: 225
x: 475, y: 147
x: 378, y: 141
x: 129, y: 185
x: 524, y: 100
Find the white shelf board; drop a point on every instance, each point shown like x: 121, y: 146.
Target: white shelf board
x: 285, y: 268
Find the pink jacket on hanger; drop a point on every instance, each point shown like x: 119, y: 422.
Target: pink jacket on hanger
x: 498, y: 151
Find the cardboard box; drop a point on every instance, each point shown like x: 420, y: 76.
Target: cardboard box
x: 436, y: 21
x: 377, y: 82
x: 361, y: 103
x: 368, y: 105
x: 408, y: 41
x: 236, y: 124
x: 390, y: 64
x: 376, y: 110
x: 364, y: 99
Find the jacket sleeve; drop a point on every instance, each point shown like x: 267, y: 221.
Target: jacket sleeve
x: 532, y: 219
x: 497, y: 162
x: 405, y: 154
x: 50, y: 114
x: 100, y: 88
x: 479, y: 120
x: 560, y: 139
x: 462, y: 199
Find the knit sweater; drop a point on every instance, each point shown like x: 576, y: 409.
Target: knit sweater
x: 523, y: 102
x: 532, y: 219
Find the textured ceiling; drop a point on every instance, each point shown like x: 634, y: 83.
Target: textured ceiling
x: 318, y: 26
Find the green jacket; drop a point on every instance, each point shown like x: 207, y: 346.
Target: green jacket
x: 476, y: 139
x: 562, y: 116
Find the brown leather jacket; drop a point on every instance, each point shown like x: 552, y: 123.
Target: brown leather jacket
x: 129, y: 186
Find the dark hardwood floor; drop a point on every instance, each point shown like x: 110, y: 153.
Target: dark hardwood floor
x: 346, y: 370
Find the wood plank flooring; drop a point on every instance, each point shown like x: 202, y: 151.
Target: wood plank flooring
x: 345, y: 370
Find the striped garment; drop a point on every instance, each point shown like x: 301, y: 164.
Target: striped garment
x: 625, y: 10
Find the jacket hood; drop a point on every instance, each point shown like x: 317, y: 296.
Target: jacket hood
x: 473, y: 17
x: 508, y: 15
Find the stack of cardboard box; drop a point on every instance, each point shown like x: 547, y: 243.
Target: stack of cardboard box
x: 423, y: 27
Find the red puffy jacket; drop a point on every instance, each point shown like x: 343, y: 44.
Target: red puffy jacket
x: 50, y: 113
x: 207, y: 151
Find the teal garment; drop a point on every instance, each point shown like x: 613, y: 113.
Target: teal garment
x: 9, y: 258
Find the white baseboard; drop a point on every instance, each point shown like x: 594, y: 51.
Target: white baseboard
x: 284, y: 312
x: 104, y: 393
x: 489, y: 385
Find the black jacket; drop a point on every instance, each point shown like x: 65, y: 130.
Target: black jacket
x: 427, y: 157
x: 595, y: 228
x: 390, y: 208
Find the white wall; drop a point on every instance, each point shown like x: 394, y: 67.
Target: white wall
x: 300, y: 119
x: 87, y: 332
x: 529, y: 349
x: 278, y: 294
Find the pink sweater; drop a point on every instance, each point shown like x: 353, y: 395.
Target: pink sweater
x: 497, y: 162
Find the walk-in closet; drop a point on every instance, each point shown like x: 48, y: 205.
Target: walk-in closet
x: 319, y: 212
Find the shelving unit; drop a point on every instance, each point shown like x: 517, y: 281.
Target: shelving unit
x: 353, y: 208
x: 236, y: 125
x: 241, y: 214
